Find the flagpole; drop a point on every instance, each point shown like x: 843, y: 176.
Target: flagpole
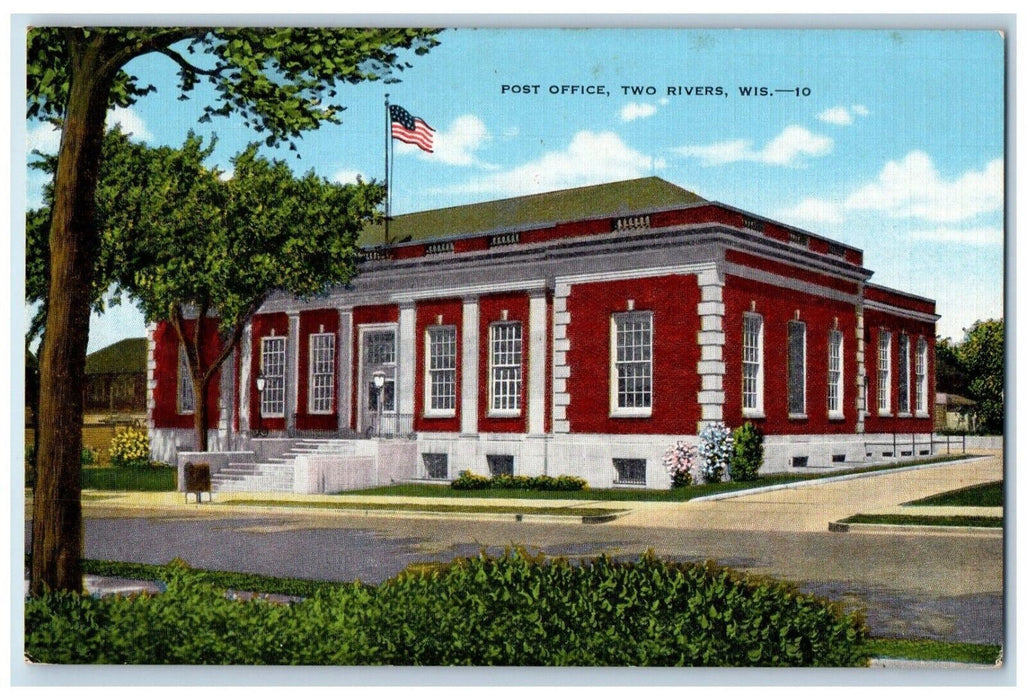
x: 388, y: 180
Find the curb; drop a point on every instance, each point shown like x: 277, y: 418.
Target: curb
x: 883, y: 529
x: 831, y: 479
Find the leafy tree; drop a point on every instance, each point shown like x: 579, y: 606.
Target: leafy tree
x: 276, y: 80
x: 983, y: 357
x: 950, y: 374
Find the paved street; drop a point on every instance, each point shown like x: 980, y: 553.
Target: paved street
x: 938, y: 586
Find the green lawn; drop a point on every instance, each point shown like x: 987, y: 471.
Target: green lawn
x: 129, y: 478
x: 624, y: 494
x: 931, y: 650
x: 989, y: 495
x: 935, y: 520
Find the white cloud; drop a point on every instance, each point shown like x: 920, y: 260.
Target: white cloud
x: 130, y: 122
x: 913, y: 188
x: 457, y: 144
x: 345, y: 177
x: 788, y: 148
x: 44, y: 137
x: 636, y: 110
x: 981, y: 235
x: 836, y: 115
x: 813, y: 210
x: 861, y: 110
x: 590, y: 158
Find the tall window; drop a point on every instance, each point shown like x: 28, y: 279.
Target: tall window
x: 321, y: 391
x: 632, y: 371
x: 835, y: 390
x: 796, y: 368
x: 921, y: 376
x: 752, y: 365
x: 505, y: 362
x: 441, y: 379
x: 186, y: 398
x: 884, y: 372
x: 903, y: 373
x: 272, y: 365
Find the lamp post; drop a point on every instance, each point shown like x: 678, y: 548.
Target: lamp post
x: 260, y: 432
x: 379, y: 384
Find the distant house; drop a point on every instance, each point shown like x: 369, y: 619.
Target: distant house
x: 116, y: 378
x: 954, y: 412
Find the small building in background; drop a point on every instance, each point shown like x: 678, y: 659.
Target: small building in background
x: 116, y: 381
x: 954, y: 412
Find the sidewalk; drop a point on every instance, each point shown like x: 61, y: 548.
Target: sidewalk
x: 802, y: 507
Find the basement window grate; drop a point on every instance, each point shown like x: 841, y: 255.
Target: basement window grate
x: 629, y: 471
x: 436, y: 465
x: 837, y: 458
x: 798, y: 462
x: 500, y: 465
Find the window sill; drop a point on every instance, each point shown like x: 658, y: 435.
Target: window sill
x: 836, y: 416
x: 504, y: 414
x: 905, y: 415
x: 628, y: 484
x: 798, y: 416
x: 884, y: 414
x: 753, y: 414
x: 439, y: 414
x: 921, y: 414
x: 621, y: 413
x: 320, y: 413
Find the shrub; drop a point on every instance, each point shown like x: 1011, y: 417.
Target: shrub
x: 715, y: 451
x: 468, y: 481
x: 680, y: 461
x: 509, y: 610
x: 130, y: 448
x: 748, y: 453
x: 88, y: 456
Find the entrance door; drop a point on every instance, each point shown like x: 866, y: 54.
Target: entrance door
x: 378, y: 353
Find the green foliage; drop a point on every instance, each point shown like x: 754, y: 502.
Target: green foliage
x: 468, y: 481
x: 748, y: 453
x: 133, y: 477
x: 511, y: 610
x: 950, y: 375
x: 990, y: 495
x: 88, y: 456
x: 933, y: 650
x: 130, y: 448
x: 983, y: 357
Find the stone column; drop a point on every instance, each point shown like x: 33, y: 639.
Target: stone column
x: 537, y: 334
x: 861, y: 371
x: 245, y: 380
x: 711, y: 367
x: 292, y: 369
x: 407, y: 357
x: 561, y: 370
x: 344, y: 368
x: 469, y: 368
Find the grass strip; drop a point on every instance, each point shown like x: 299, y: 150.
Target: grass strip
x: 254, y: 583
x: 129, y: 479
x: 933, y: 650
x: 935, y: 520
x: 686, y: 493
x: 990, y: 495
x: 428, y: 507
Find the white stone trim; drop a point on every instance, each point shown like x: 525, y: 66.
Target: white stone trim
x: 561, y: 370
x: 151, y: 375
x: 245, y: 366
x: 467, y: 291
x: 615, y: 275
x: 710, y: 339
x: 896, y: 311
x: 861, y: 372
x: 468, y: 370
x: 798, y: 285
x: 292, y: 370
x: 537, y: 327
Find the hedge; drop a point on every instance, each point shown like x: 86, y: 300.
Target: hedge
x: 510, y: 610
x: 469, y: 481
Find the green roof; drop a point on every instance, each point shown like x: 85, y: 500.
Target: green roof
x: 126, y: 356
x: 611, y: 199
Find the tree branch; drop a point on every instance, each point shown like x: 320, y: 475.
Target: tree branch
x: 177, y: 58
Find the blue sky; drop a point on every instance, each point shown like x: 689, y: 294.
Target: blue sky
x: 897, y: 147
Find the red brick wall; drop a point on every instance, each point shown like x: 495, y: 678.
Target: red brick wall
x: 165, y: 395
x: 262, y: 326
x: 428, y: 312
x: 490, y: 310
x: 311, y: 322
x: 672, y: 300
x: 777, y: 306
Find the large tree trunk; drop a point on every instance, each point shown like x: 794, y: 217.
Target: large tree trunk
x: 200, y: 411
x: 74, y: 240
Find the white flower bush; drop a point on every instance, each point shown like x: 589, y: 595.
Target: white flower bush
x: 716, y: 447
x: 680, y: 461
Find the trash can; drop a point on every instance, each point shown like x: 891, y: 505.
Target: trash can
x: 197, y: 480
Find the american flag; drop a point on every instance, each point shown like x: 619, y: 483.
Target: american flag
x: 410, y: 129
